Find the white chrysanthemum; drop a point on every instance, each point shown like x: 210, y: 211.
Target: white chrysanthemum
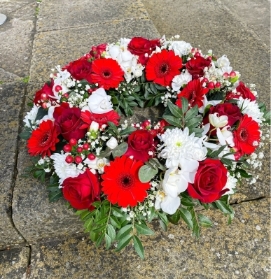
x: 180, y: 48
x: 31, y: 116
x: 63, y: 169
x: 181, y: 149
x: 180, y: 80
x: 231, y: 184
x: 250, y: 108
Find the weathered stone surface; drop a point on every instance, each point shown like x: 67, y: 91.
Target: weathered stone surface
x: 7, y: 77
x: 14, y: 262
x: 16, y: 36
x: 60, y: 47
x: 239, y: 250
x: 10, y: 103
x: 211, y: 26
x: 58, y: 15
x: 253, y: 14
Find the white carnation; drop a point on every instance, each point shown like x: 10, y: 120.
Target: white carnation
x: 250, y: 108
x: 180, y: 48
x: 30, y: 117
x: 223, y: 63
x: 63, y: 169
x: 180, y: 80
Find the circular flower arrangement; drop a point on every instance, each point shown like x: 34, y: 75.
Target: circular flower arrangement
x: 118, y: 174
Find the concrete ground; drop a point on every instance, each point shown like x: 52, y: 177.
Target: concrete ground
x: 42, y: 240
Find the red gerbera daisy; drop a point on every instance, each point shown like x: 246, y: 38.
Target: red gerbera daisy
x: 121, y: 183
x: 193, y: 92
x: 107, y: 73
x: 43, y: 139
x: 162, y: 67
x: 247, y: 135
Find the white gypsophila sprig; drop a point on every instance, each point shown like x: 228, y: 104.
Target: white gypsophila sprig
x: 180, y: 148
x: 250, y: 108
x: 230, y: 185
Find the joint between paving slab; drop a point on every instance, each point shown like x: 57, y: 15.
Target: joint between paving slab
x: 94, y: 24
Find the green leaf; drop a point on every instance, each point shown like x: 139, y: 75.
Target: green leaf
x: 174, y: 218
x: 143, y: 229
x: 243, y: 173
x: 114, y: 221
x: 138, y: 246
x: 186, y: 216
x: 163, y: 225
x: 163, y: 217
x: 105, y: 153
x: 127, y: 131
x: 55, y: 196
x: 41, y: 113
x: 193, y: 122
x: 124, y: 241
x: 96, y: 204
x: 172, y: 120
x: 124, y: 231
x: 111, y: 231
x: 146, y: 173
x: 204, y: 221
x: 108, y: 241
x: 196, y: 227
x: 88, y: 224
x: 120, y: 150
x: 215, y: 153
x: 175, y: 110
x: 25, y: 134
x: 117, y: 212
x: 152, y: 215
x: 153, y: 88
x: 187, y: 201
x: 224, y: 207
x: 155, y: 162
x: 184, y: 102
x: 191, y: 113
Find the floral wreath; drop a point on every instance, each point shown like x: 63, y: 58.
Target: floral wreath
x: 117, y: 175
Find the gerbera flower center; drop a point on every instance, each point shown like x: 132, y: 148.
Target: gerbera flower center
x: 106, y: 74
x: 243, y: 134
x: 45, y: 138
x: 164, y: 68
x: 126, y: 181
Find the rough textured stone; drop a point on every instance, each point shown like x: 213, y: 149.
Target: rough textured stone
x: 14, y: 262
x: 257, y: 21
x: 11, y: 101
x: 239, y: 250
x: 16, y: 36
x: 62, y: 46
x: 57, y: 15
x: 211, y: 26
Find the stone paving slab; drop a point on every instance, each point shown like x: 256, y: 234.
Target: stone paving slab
x: 253, y: 14
x: 12, y: 97
x: 16, y: 38
x: 212, y: 26
x: 14, y: 263
x: 62, y: 46
x: 55, y: 15
x: 239, y: 250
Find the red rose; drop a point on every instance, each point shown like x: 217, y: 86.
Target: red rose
x: 81, y: 191
x: 80, y: 69
x: 195, y: 66
x: 140, y: 142
x: 210, y: 179
x: 241, y: 91
x: 46, y: 93
x: 141, y: 46
x: 232, y: 111
x: 69, y: 122
x: 100, y: 118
